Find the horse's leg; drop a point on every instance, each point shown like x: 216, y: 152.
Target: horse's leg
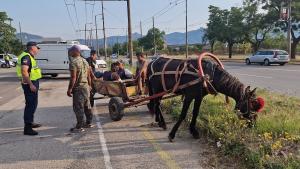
x: 193, y: 129
x: 161, y: 122
x: 185, y: 107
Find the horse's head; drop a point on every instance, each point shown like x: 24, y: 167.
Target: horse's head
x: 249, y: 105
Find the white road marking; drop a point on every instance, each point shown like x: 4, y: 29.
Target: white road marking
x: 266, y: 77
x: 286, y: 70
x: 102, y: 141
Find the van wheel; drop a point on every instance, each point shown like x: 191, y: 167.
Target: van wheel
x: 266, y: 62
x: 54, y: 75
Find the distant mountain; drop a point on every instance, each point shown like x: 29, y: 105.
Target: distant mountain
x: 26, y: 37
x: 176, y: 38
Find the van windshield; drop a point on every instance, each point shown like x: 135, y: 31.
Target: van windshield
x: 85, y: 53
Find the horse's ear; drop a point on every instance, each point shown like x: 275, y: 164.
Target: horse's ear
x: 247, y: 90
x: 252, y: 92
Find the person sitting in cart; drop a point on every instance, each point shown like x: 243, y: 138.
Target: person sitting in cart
x: 112, y: 75
x: 123, y: 72
x: 92, y: 63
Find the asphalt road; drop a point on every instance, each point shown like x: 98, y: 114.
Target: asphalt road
x: 129, y: 143
x: 280, y: 79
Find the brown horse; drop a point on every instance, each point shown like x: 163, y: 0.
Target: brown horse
x: 246, y: 102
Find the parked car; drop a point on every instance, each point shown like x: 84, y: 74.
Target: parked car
x: 101, y: 63
x: 3, y: 64
x: 114, y: 56
x: 267, y: 57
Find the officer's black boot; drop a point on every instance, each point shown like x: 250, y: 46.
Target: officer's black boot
x: 28, y: 130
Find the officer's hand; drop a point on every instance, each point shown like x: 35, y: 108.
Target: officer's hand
x: 32, y: 88
x: 69, y: 93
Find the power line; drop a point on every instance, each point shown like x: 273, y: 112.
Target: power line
x: 67, y: 6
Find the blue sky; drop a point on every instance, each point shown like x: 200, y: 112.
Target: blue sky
x: 49, y: 18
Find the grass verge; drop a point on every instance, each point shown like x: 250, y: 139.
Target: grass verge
x: 274, y: 142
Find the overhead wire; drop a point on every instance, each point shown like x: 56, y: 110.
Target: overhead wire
x: 69, y: 14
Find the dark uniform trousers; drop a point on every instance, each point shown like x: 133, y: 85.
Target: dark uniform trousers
x: 31, y: 101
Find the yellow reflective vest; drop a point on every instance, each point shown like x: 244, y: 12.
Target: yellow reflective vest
x: 35, y: 72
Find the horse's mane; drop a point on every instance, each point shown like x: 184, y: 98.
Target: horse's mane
x: 227, y: 84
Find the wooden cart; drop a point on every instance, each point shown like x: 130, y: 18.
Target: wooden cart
x: 122, y: 95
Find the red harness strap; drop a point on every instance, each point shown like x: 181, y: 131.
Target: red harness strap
x: 206, y: 80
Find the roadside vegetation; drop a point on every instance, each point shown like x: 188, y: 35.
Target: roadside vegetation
x: 274, y: 142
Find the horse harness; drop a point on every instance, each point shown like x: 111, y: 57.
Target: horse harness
x: 178, y: 74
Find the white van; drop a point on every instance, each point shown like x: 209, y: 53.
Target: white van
x: 53, y: 58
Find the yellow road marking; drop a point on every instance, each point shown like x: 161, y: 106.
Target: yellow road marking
x: 163, y: 154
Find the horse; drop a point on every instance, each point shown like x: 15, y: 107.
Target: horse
x: 173, y: 75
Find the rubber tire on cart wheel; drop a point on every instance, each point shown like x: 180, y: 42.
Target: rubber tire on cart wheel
x: 116, y: 108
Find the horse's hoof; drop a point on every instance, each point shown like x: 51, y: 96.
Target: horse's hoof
x: 196, y: 136
x: 163, y: 126
x: 170, y: 139
x: 195, y: 133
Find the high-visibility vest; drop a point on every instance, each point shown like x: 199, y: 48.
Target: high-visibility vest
x: 35, y: 72
x: 6, y: 57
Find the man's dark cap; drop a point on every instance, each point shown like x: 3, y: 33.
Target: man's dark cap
x: 29, y: 44
x: 93, y: 52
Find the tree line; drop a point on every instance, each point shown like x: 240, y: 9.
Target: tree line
x: 8, y: 40
x: 252, y: 23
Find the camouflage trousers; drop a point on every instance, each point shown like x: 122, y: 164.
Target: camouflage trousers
x: 81, y: 106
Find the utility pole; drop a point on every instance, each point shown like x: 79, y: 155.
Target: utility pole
x: 21, y: 35
x: 130, y: 47
x: 85, y: 34
x: 97, y: 43
x: 104, y: 35
x: 141, y: 28
x: 186, y: 31
x: 289, y: 27
x: 154, y: 42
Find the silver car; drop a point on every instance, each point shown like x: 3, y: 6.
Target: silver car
x: 267, y: 57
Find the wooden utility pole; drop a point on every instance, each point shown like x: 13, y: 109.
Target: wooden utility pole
x: 85, y: 34
x: 21, y: 33
x: 186, y: 31
x: 130, y: 47
x: 97, y: 43
x: 141, y: 28
x: 104, y: 35
x: 154, y: 42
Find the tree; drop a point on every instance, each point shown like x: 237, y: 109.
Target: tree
x: 273, y: 7
x: 214, y: 26
x: 225, y: 26
x: 8, y: 40
x: 257, y: 24
x: 147, y: 41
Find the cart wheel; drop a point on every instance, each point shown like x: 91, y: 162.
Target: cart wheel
x: 116, y: 108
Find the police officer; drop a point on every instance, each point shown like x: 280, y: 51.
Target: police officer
x: 29, y: 74
x: 79, y: 89
x: 7, y: 59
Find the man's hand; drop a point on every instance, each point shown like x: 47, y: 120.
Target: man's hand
x: 69, y: 92
x: 32, y: 88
